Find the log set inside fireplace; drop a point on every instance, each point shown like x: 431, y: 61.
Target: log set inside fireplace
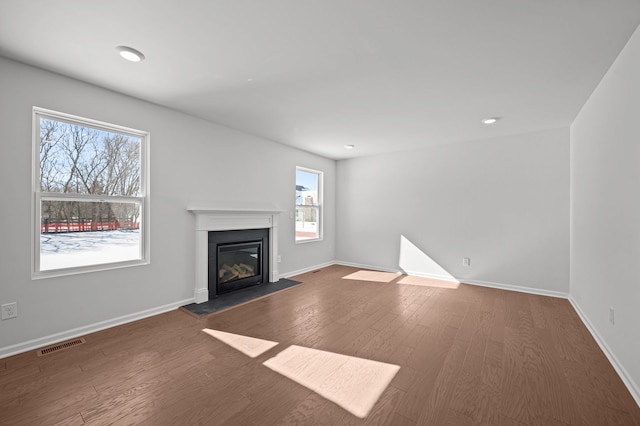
x: 239, y: 260
x: 235, y: 272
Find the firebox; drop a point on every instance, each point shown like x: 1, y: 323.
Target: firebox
x: 237, y: 259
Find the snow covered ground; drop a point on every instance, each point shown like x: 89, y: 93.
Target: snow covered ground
x: 71, y: 249
x: 306, y: 230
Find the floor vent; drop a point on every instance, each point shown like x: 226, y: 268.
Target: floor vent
x: 60, y: 346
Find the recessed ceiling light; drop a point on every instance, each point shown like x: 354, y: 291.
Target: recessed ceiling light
x: 490, y: 120
x: 130, y: 54
x: 349, y: 146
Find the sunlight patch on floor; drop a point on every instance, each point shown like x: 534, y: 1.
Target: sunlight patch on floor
x: 354, y: 384
x: 250, y: 346
x: 427, y: 282
x: 377, y: 276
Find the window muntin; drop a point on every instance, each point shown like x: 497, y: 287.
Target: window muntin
x: 308, y: 205
x: 90, y: 195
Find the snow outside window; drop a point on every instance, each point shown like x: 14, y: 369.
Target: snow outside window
x: 308, y: 204
x: 90, y: 195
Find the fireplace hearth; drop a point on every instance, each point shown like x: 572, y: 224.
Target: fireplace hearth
x: 237, y: 259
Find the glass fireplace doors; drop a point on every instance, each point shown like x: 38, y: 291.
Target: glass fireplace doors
x: 237, y: 259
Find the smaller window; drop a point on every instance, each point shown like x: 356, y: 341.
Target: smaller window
x: 308, y: 204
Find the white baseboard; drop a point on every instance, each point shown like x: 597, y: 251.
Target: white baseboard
x: 92, y: 328
x: 201, y: 295
x: 633, y: 387
x: 398, y: 271
x: 304, y: 270
x: 529, y: 290
x: 449, y: 278
x: 364, y: 266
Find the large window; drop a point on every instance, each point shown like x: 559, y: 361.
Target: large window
x: 90, y: 195
x: 308, y: 204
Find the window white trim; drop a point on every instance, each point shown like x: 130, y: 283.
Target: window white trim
x: 36, y: 200
x: 318, y: 207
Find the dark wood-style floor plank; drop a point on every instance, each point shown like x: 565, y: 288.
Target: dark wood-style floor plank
x: 471, y: 355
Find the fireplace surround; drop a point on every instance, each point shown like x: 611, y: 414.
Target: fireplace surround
x: 215, y: 219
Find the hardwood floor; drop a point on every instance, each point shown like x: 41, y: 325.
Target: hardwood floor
x: 470, y: 355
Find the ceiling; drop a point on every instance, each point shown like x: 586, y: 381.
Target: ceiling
x: 383, y: 75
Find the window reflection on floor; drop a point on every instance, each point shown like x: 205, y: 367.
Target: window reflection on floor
x: 354, y: 384
x: 250, y: 346
x: 377, y: 276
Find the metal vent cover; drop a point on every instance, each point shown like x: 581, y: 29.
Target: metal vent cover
x: 60, y: 346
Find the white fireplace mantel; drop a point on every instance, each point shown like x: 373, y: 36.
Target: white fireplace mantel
x: 209, y: 219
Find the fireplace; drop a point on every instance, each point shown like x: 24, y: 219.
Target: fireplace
x: 221, y: 219
x: 237, y: 259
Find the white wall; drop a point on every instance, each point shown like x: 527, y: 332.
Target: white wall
x: 193, y: 162
x: 502, y: 202
x: 605, y: 211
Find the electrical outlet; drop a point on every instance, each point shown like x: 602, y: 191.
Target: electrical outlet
x: 466, y: 261
x: 9, y: 310
x: 612, y: 316
x: 279, y: 258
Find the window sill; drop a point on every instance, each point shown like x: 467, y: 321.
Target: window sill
x: 86, y: 269
x: 310, y: 240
